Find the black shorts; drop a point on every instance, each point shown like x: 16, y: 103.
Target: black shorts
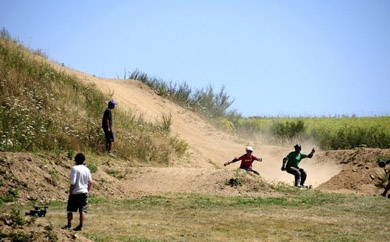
x: 78, y: 202
x: 109, y: 136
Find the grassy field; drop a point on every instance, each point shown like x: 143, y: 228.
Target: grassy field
x: 339, y: 132
x: 328, y: 132
x: 295, y: 215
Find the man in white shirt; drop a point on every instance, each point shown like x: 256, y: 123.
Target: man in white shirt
x: 80, y: 185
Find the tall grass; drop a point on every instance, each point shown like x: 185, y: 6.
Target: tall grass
x: 206, y: 101
x: 44, y: 109
x: 329, y: 132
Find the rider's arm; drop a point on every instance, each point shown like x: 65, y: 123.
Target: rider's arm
x: 229, y: 162
x: 285, y: 159
x: 234, y: 160
x: 311, y: 153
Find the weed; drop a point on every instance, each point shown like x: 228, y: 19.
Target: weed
x: 16, y: 218
x: 13, y: 192
x: 179, y: 145
x: 54, y: 174
x: 70, y: 154
x: 20, y: 236
x: 7, y: 199
x: 51, y: 235
x: 117, y: 174
x: 166, y: 122
x: 92, y: 167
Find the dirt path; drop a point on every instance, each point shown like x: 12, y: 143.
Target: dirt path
x: 209, y: 147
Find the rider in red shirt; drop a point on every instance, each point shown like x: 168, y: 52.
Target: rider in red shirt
x: 246, y: 160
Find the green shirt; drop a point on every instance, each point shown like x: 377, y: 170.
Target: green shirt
x: 294, y: 159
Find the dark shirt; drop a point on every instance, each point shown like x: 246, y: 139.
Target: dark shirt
x: 107, y: 116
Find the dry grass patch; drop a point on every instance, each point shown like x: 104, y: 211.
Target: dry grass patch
x: 303, y: 216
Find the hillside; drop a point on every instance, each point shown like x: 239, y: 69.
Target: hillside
x: 50, y: 112
x: 208, y: 147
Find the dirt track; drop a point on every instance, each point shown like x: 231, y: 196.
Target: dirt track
x: 209, y: 147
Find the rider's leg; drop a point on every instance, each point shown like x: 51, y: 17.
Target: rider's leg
x: 387, y: 188
x: 247, y: 169
x: 303, y: 176
x: 256, y: 172
x: 297, y: 174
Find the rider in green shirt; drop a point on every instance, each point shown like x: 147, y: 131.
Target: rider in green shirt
x: 291, y: 162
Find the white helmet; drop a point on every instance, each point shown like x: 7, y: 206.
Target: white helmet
x: 249, y: 148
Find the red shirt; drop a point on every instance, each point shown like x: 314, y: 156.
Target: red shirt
x: 246, y: 161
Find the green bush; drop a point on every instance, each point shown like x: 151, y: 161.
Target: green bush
x: 288, y: 129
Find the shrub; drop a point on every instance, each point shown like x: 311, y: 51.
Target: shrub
x: 288, y: 129
x: 204, y: 101
x: 92, y: 167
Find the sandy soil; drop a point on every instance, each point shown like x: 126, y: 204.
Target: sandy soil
x: 209, y: 147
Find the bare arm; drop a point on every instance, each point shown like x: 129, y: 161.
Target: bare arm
x: 71, y: 189
x: 89, y: 186
x: 311, y: 153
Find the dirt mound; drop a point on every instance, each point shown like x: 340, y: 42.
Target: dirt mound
x: 148, y: 181
x: 360, y: 172
x: 44, y: 178
x: 28, y: 177
x: 201, y: 169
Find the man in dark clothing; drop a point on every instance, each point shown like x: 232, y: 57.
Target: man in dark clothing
x: 291, y: 162
x: 107, y: 126
x: 387, y: 172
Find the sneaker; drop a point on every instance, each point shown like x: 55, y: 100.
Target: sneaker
x: 67, y: 227
x: 78, y: 228
x: 111, y: 154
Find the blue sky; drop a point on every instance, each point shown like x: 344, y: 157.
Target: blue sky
x: 276, y: 58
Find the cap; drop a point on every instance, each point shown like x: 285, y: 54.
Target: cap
x: 249, y: 148
x: 297, y: 146
x: 112, y: 102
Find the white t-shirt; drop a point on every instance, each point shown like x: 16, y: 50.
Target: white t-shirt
x: 79, y: 176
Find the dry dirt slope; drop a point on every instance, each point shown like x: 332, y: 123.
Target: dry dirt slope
x: 209, y: 147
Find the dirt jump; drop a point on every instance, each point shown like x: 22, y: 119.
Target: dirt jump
x: 210, y: 148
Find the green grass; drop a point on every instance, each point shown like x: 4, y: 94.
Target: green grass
x: 43, y: 109
x: 291, y: 215
x: 328, y: 132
